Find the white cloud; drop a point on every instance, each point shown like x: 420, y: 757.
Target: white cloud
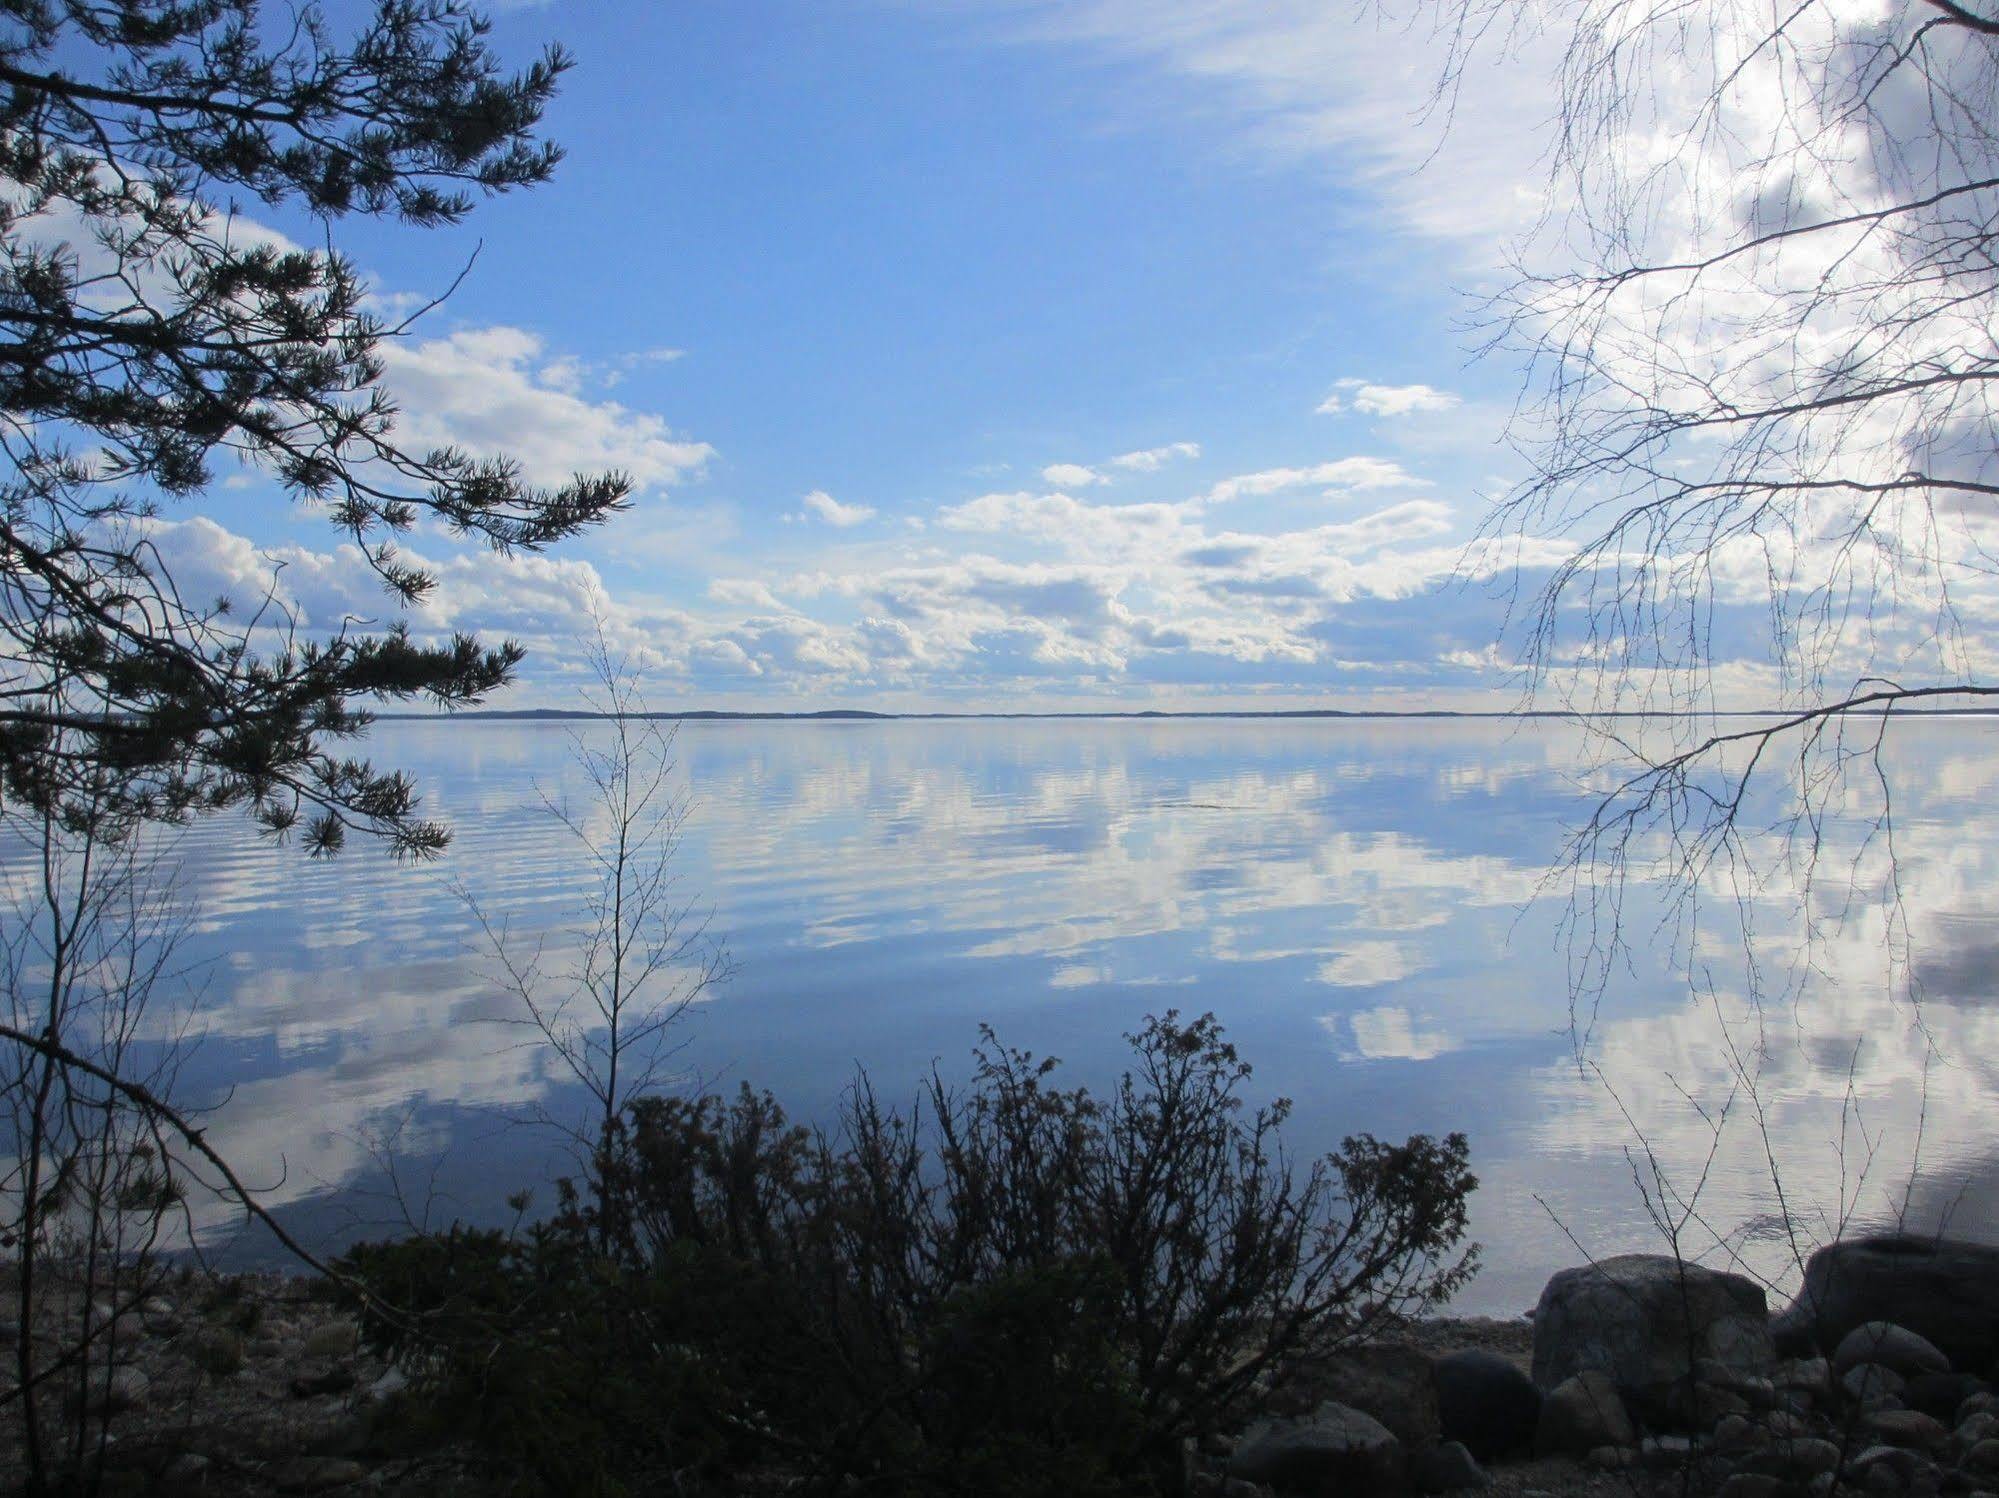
x: 1072, y: 475
x: 494, y: 390
x: 1371, y: 399
x: 1367, y: 964
x: 1342, y: 473
x: 1347, y: 88
x: 746, y: 592
x: 1389, y: 1033
x: 830, y: 510
x: 1151, y: 459
x: 1146, y: 460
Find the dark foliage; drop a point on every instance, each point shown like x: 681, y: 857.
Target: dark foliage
x: 144, y: 334
x: 1008, y: 1289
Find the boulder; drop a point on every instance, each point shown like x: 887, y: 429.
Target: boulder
x: 1985, y: 1402
x: 114, y: 1391
x: 1982, y: 1460
x: 1810, y: 1375
x: 1393, y: 1383
x: 1872, y: 1386
x: 1446, y: 1468
x: 1891, y: 1346
x: 1645, y: 1319
x: 1797, y: 1460
x: 1581, y: 1414
x: 1486, y: 1402
x: 1910, y: 1428
x: 1941, y: 1289
x: 1332, y: 1449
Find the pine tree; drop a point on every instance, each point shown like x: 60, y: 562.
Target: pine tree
x: 145, y: 336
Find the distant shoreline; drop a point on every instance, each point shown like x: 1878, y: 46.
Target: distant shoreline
x: 864, y: 715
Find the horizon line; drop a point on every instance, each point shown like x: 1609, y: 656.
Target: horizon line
x: 871, y: 715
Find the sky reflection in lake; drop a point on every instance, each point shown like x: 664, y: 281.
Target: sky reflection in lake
x: 1360, y: 902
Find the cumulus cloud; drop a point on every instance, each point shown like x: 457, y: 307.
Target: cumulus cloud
x: 835, y: 514
x: 1371, y: 399
x: 1146, y: 460
x: 495, y: 390
x: 1072, y: 475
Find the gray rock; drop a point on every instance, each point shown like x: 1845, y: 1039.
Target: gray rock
x: 1332, y: 1448
x: 1812, y: 1375
x: 216, y: 1351
x: 335, y: 1339
x: 1873, y: 1386
x: 1977, y: 1427
x: 1904, y: 1465
x: 1486, y: 1402
x: 113, y: 1393
x: 1645, y: 1319
x: 1391, y: 1382
x: 1735, y: 1433
x: 1943, y: 1290
x: 1785, y: 1423
x: 316, y: 1474
x: 186, y: 1474
x: 1906, y: 1428
x: 1447, y: 1467
x: 1881, y: 1480
x: 1892, y: 1346
x: 1666, y: 1453
x: 1582, y: 1413
x: 1612, y: 1458
x: 1978, y: 1404
x: 1797, y: 1459
x: 1983, y: 1458
x: 1750, y: 1485
x: 1699, y: 1406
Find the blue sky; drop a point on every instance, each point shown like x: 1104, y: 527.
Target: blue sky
x: 969, y: 355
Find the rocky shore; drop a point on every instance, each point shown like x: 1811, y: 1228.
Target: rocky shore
x: 1645, y: 1374
x: 1635, y: 1374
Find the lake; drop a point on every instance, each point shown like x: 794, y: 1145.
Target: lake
x: 1362, y: 903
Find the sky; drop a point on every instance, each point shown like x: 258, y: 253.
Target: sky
x: 969, y: 354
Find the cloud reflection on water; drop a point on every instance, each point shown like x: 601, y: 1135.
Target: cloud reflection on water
x: 1361, y: 902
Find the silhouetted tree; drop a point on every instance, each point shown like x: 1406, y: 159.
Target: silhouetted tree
x: 1760, y: 407
x: 145, y: 331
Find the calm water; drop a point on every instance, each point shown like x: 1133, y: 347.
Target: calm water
x: 1360, y: 902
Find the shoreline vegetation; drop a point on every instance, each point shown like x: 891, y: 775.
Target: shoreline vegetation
x: 1643, y: 1375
